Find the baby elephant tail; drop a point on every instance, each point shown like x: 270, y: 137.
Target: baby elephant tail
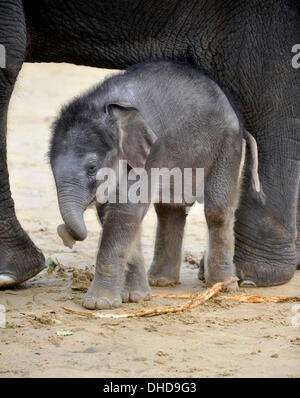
x: 255, y: 181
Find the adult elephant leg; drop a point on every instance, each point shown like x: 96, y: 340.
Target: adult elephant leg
x: 298, y: 231
x: 265, y: 252
x: 19, y: 257
x: 252, y: 60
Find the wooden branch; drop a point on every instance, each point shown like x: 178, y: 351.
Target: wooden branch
x: 242, y: 298
x: 248, y: 298
x: 173, y: 295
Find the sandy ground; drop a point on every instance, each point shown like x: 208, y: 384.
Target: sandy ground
x: 217, y: 339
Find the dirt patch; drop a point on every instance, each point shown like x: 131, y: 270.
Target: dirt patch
x: 216, y: 339
x: 81, y: 279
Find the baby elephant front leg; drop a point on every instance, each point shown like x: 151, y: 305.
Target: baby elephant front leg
x: 120, y: 228
x: 104, y: 291
x: 136, y: 286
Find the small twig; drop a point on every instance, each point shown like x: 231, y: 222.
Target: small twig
x: 83, y: 313
x: 242, y: 298
x: 173, y: 295
x: 248, y: 298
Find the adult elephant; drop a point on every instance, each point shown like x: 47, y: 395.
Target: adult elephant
x: 245, y: 46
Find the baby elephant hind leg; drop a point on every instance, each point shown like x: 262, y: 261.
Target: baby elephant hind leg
x: 221, y: 199
x: 165, y: 267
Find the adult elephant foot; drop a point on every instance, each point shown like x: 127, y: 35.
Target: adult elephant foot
x: 19, y: 261
x: 265, y: 253
x: 256, y: 267
x: 258, y: 272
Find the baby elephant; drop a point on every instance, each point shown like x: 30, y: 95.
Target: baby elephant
x: 157, y: 114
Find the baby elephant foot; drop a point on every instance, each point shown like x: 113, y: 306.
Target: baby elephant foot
x: 98, y: 299
x: 161, y: 280
x: 230, y: 287
x: 164, y: 273
x: 212, y: 279
x: 136, y: 287
x: 102, y: 294
x: 221, y: 274
x: 131, y: 295
x: 101, y: 299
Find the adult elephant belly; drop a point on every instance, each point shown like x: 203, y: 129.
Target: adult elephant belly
x: 245, y: 47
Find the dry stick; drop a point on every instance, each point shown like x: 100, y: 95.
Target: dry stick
x: 174, y: 295
x: 248, y: 298
x: 242, y: 298
x: 83, y: 313
x: 192, y: 303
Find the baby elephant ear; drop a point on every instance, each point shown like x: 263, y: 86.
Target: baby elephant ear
x: 135, y: 138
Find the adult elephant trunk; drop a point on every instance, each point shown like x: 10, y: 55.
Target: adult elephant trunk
x: 72, y: 209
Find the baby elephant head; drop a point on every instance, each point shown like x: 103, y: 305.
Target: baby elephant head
x: 84, y: 141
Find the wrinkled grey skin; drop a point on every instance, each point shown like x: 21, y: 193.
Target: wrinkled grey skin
x: 157, y: 114
x: 245, y: 46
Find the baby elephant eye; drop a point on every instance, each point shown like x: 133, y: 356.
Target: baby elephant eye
x: 91, y: 170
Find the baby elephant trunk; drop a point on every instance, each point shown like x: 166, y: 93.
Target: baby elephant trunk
x: 255, y: 180
x: 72, y: 213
